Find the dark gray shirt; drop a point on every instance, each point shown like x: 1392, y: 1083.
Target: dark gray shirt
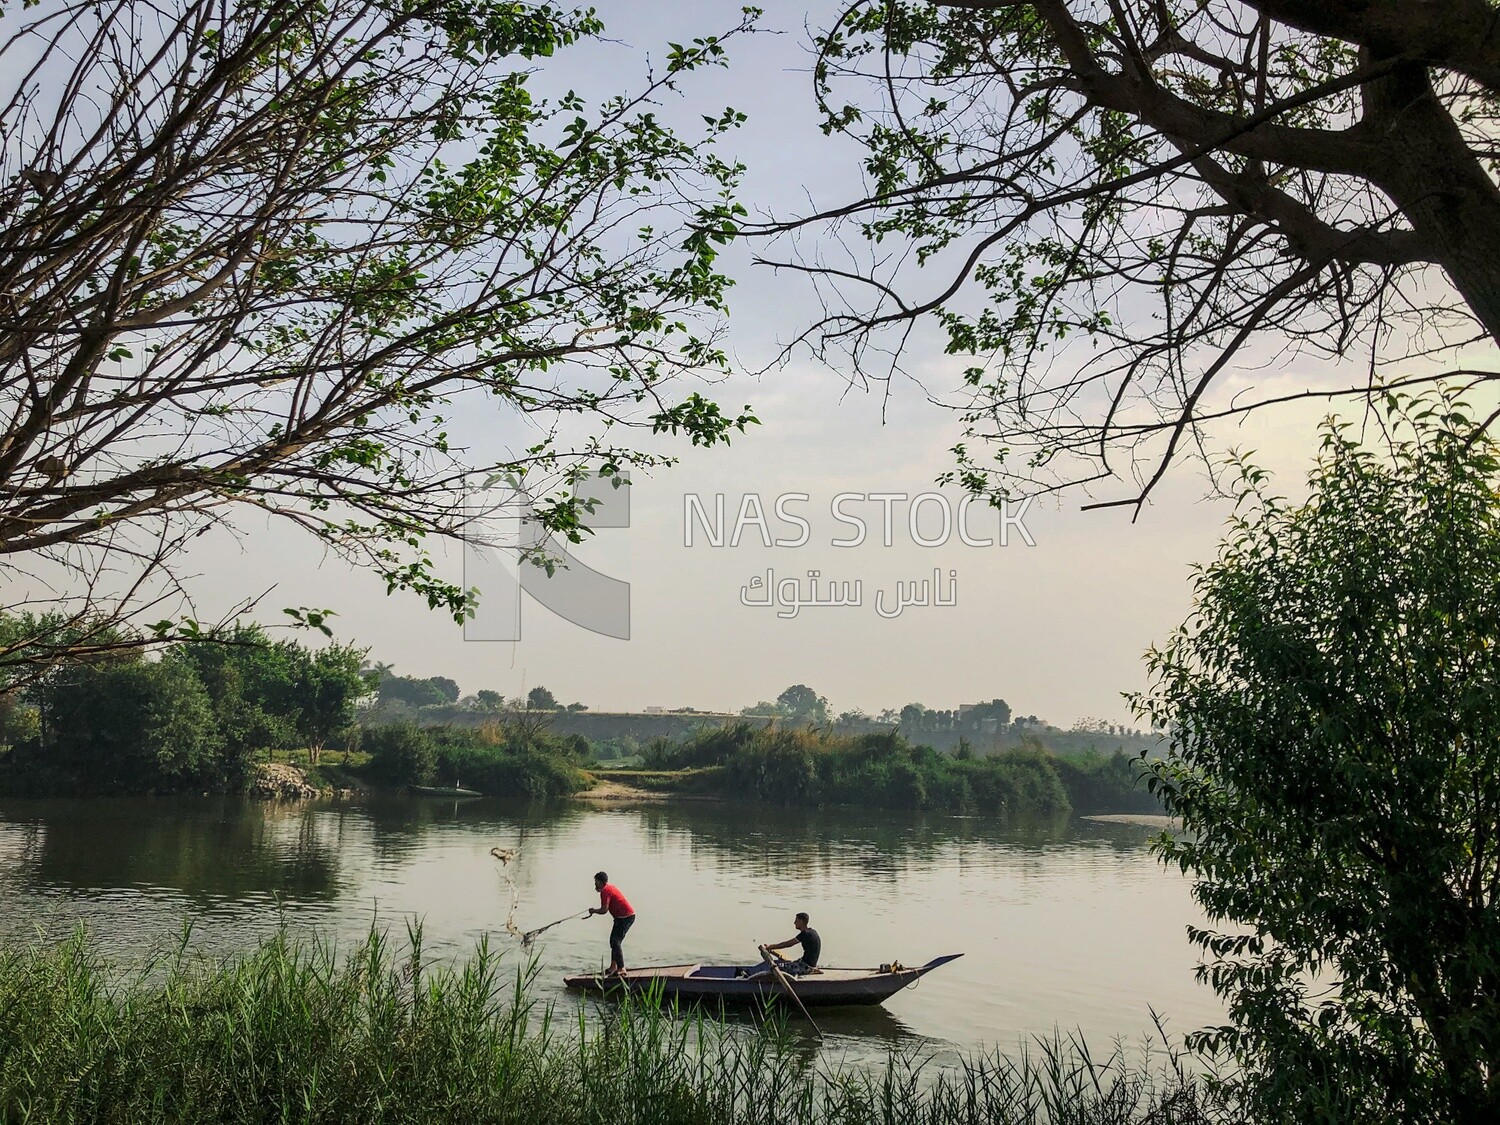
x: 812, y: 945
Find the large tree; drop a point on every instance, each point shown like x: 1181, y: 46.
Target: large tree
x: 249, y: 684
x: 126, y: 725
x: 1104, y: 206
x: 541, y: 699
x: 325, y: 685
x: 802, y: 705
x: 257, y: 253
x: 411, y: 690
x: 1333, y: 707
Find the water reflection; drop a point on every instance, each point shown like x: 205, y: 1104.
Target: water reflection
x: 830, y: 836
x: 209, y: 850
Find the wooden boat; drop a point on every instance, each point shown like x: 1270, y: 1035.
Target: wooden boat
x: 828, y: 987
x: 443, y: 791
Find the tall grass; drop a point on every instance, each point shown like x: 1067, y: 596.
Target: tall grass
x: 292, y: 1032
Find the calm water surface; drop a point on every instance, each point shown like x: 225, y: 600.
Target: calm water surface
x: 1070, y: 926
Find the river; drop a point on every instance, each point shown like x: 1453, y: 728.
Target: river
x: 1070, y: 926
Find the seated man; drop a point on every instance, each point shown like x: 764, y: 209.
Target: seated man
x: 812, y: 949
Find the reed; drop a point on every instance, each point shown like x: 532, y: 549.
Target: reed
x: 295, y: 1032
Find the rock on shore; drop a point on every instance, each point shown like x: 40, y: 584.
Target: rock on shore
x: 275, y: 781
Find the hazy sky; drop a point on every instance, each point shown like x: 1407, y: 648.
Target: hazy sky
x: 1057, y: 629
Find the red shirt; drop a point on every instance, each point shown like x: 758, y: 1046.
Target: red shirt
x: 612, y: 900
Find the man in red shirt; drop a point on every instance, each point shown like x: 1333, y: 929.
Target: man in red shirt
x: 613, y: 903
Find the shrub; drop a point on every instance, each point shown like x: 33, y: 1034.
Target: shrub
x: 123, y: 726
x: 400, y: 754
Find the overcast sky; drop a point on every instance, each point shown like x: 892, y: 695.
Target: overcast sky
x: 1057, y: 629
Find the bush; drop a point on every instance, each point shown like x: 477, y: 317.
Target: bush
x: 1098, y: 784
x: 1334, y: 710
x: 122, y: 726
x: 497, y: 760
x: 400, y: 754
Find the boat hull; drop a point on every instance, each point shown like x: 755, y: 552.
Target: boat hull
x: 719, y: 984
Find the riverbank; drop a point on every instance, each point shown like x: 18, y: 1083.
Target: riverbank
x: 621, y: 786
x: 384, y: 1035
x: 288, y: 781
x: 816, y: 768
x: 1145, y: 820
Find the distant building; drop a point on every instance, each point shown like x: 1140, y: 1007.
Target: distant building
x: 656, y: 710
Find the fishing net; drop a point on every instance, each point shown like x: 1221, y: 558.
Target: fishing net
x: 531, y: 935
x: 513, y: 893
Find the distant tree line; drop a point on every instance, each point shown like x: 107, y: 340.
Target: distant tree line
x: 798, y: 705
x: 394, y: 693
x: 992, y: 722
x: 807, y: 766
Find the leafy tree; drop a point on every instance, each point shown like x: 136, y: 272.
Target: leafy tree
x: 128, y: 725
x: 510, y: 759
x: 1173, y: 186
x: 248, y: 679
x: 1333, y: 706
x: 1090, y: 725
x: 412, y: 691
x: 446, y: 688
x: 540, y: 699
x: 31, y: 644
x: 254, y: 254
x: 325, y: 687
x: 489, y: 700
x: 914, y: 716
x: 996, y: 710
x: 801, y: 704
x: 19, y: 721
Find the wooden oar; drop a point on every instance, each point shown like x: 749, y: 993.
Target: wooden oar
x: 781, y: 979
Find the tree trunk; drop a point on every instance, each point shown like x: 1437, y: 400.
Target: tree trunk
x: 1440, y: 186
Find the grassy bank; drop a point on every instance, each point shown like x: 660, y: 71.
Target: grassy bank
x: 292, y: 1033
x: 802, y: 766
